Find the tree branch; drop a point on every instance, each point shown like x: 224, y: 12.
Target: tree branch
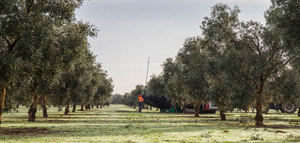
x: 7, y: 41
x: 257, y: 45
x: 288, y: 60
x: 13, y: 45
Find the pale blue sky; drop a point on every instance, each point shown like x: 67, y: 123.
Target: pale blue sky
x: 130, y: 31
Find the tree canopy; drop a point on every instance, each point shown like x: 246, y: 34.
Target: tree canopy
x: 45, y: 57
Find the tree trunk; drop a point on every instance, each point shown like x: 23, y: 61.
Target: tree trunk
x: 33, y: 107
x: 197, y: 107
x: 81, y: 108
x: 298, y: 112
x: 182, y: 106
x: 97, y: 106
x: 67, y: 110
x: 150, y: 107
x: 92, y: 106
x: 222, y: 115
x: 259, y: 117
x: 196, y: 112
x: 87, y: 107
x: 74, y: 108
x: 45, y: 115
x: 134, y: 107
x: 2, y: 100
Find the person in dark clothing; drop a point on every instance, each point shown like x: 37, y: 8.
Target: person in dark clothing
x: 141, y: 102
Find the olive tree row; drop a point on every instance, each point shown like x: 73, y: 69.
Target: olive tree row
x: 236, y: 62
x: 45, y: 57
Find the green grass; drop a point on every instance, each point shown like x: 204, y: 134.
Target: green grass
x: 119, y: 123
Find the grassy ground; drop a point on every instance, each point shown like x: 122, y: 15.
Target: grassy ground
x: 119, y: 123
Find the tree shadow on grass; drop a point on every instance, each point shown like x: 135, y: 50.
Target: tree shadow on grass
x: 103, y: 130
x: 134, y: 117
x: 113, y: 130
x: 26, y: 131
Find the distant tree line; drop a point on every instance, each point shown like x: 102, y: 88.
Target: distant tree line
x: 45, y: 58
x: 129, y: 99
x: 235, y: 63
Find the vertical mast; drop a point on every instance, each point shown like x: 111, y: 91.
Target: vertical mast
x: 147, y: 75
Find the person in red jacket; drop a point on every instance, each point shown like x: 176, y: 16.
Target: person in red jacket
x: 141, y: 102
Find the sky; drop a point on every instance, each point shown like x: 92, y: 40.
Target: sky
x: 131, y: 31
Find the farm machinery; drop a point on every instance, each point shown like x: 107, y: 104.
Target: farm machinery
x: 165, y: 105
x: 284, y: 107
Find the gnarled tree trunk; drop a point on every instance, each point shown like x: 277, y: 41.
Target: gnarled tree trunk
x: 87, y: 107
x: 33, y: 107
x: 45, y: 115
x: 2, y: 100
x: 74, y: 108
x: 259, y: 117
x: 197, y: 107
x: 222, y: 115
x: 81, y: 108
x: 67, y: 110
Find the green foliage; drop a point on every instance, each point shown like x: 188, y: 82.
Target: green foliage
x: 117, y: 99
x: 253, y: 55
x: 174, y: 81
x: 236, y: 63
x: 43, y: 49
x: 193, y: 58
x: 283, y: 16
x: 156, y: 86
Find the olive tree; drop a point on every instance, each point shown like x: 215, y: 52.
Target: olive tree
x: 195, y: 71
x: 23, y: 25
x: 283, y: 16
x: 255, y: 51
x: 174, y: 82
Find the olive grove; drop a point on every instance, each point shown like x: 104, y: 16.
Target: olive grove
x: 45, y: 57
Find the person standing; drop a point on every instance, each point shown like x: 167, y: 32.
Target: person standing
x: 141, y: 102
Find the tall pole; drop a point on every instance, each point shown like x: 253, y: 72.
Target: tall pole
x: 147, y: 75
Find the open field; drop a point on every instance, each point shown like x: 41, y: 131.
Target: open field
x: 119, y: 123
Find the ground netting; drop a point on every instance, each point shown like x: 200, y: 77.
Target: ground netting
x: 158, y: 102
